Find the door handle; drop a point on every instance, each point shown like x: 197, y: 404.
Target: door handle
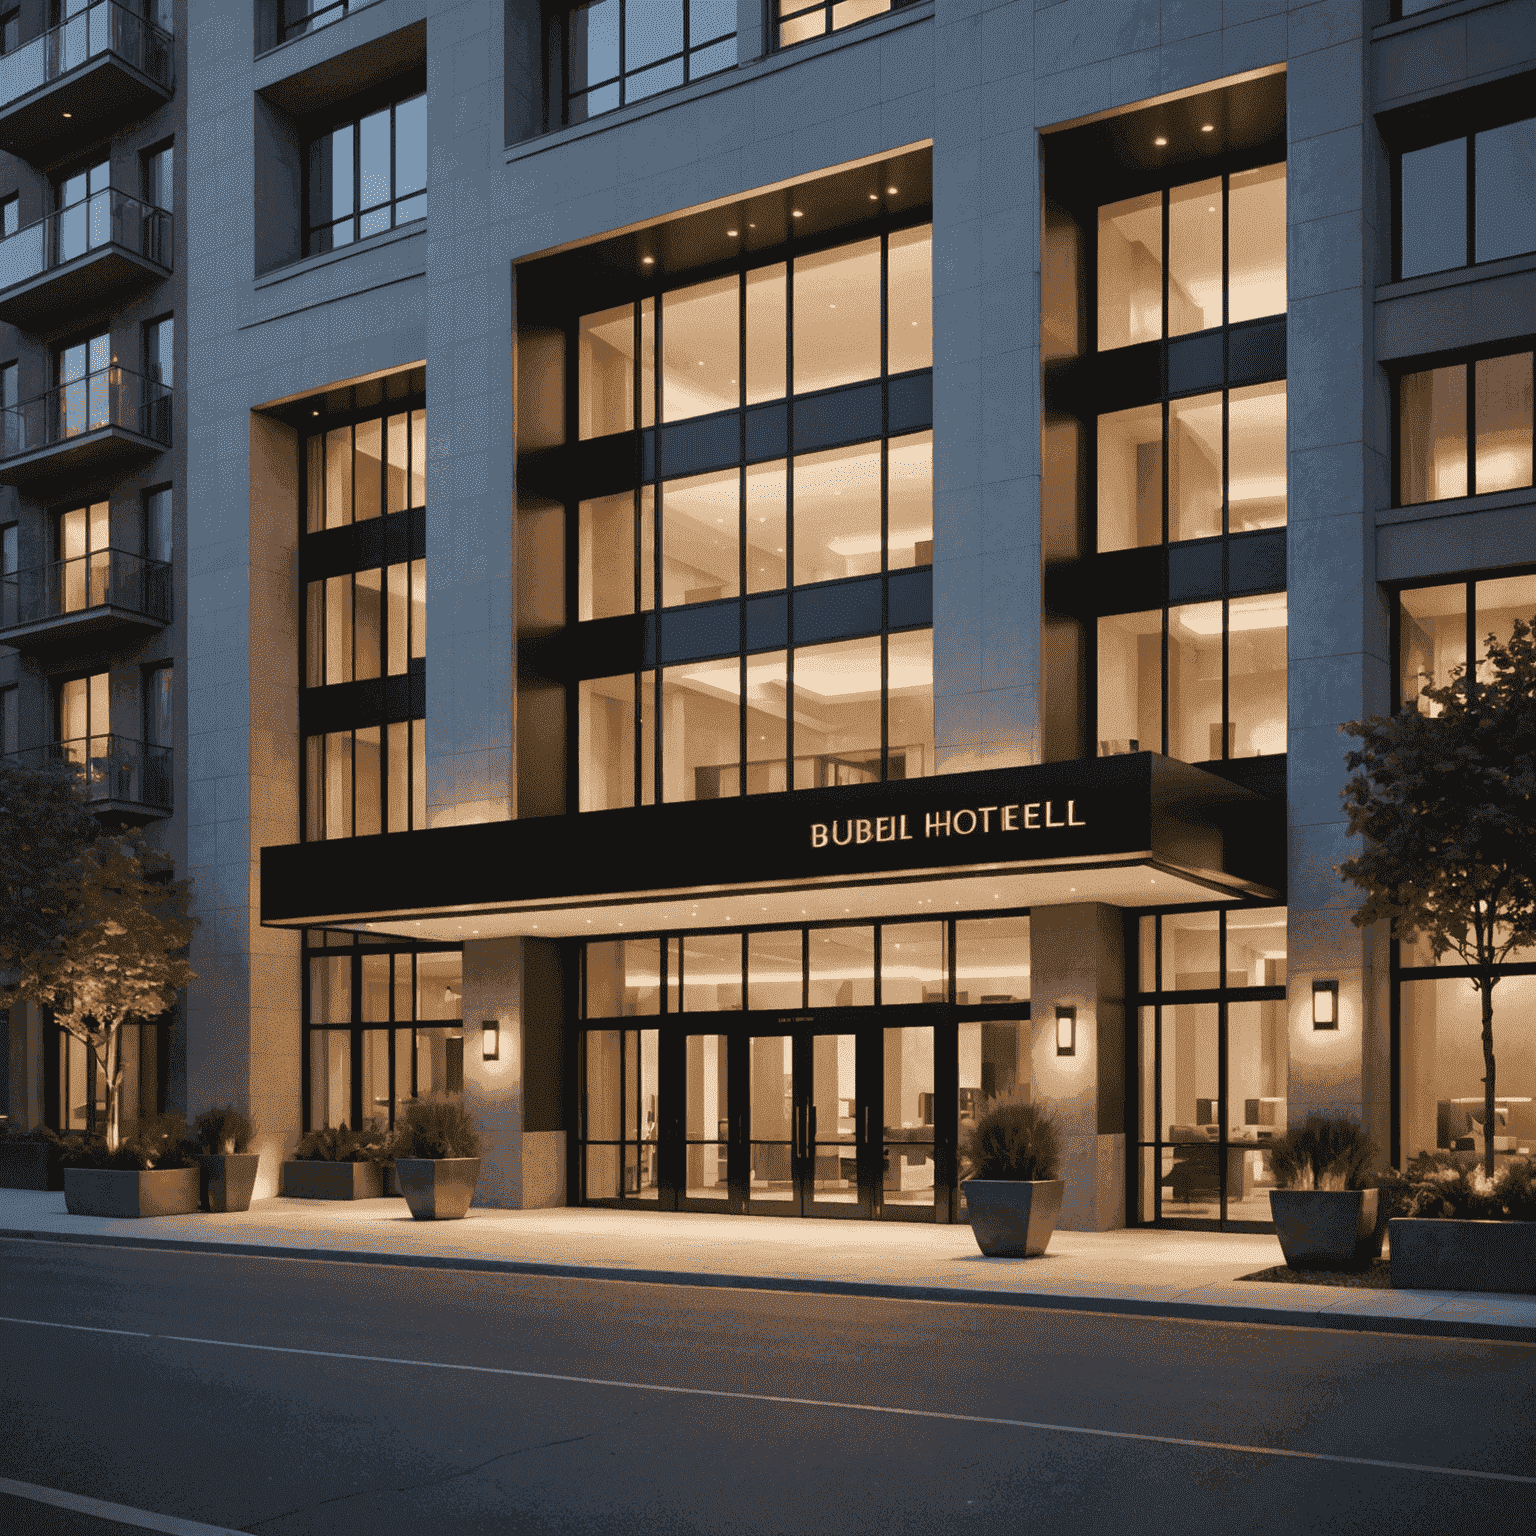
x: 810, y: 1130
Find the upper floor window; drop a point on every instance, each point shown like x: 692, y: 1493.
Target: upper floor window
x: 159, y: 535
x: 159, y: 177
x: 10, y: 30
x: 619, y: 51
x: 372, y: 467
x: 1465, y: 430
x: 10, y: 216
x: 1224, y: 240
x: 367, y: 176
x: 10, y: 723
x: 365, y: 624
x: 1440, y: 627
x: 160, y: 350
x: 799, y: 21
x: 1467, y: 200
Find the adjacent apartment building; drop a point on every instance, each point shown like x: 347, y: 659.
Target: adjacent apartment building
x: 730, y: 579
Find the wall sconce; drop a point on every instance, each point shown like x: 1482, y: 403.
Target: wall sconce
x: 1066, y: 1031
x: 490, y: 1040
x: 1325, y: 1005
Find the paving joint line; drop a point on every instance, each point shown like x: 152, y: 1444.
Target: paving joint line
x: 1115, y: 1306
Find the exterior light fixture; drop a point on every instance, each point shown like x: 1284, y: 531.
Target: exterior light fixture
x: 490, y: 1040
x: 1066, y: 1031
x: 1325, y: 1005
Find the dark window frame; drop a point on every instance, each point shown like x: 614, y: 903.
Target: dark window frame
x: 317, y: 237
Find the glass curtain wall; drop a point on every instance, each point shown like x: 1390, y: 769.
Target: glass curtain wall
x: 1212, y: 1065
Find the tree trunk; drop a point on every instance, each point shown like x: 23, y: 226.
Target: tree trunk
x: 111, y: 1070
x: 1485, y: 989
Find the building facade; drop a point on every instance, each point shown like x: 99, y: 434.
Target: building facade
x: 741, y: 581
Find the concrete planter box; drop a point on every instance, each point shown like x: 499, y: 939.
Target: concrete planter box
x: 1436, y: 1255
x: 315, y: 1180
x: 30, y: 1165
x: 228, y: 1179
x: 1013, y: 1218
x: 127, y: 1192
x: 438, y: 1188
x: 1326, y: 1228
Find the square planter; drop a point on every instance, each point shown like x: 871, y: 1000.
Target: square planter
x: 30, y: 1165
x: 228, y: 1180
x: 438, y: 1188
x: 1327, y: 1228
x: 127, y: 1192
x: 1013, y: 1218
x: 315, y: 1180
x: 1436, y: 1255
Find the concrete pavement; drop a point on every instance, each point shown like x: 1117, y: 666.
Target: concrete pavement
x: 1142, y: 1272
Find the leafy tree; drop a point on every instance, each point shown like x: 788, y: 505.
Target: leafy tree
x: 91, y: 925
x: 1445, y: 797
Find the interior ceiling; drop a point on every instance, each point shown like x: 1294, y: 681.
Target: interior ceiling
x: 1130, y: 883
x: 609, y: 271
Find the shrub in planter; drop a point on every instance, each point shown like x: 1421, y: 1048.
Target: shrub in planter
x: 1326, y: 1207
x: 31, y: 1160
x: 153, y: 1172
x: 436, y: 1149
x: 227, y: 1165
x: 1013, y: 1188
x: 336, y: 1163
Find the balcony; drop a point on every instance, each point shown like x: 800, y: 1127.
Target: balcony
x: 126, y: 780
x: 86, y: 258
x: 104, y: 420
x: 74, y: 83
x: 108, y: 596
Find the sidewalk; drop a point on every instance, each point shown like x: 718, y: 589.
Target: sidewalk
x: 1191, y: 1275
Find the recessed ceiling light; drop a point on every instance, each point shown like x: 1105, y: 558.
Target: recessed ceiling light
x: 1159, y: 141
x: 892, y: 190
x: 732, y: 232
x: 798, y: 214
x: 69, y: 114
x: 1207, y: 128
x: 874, y: 197
x: 649, y: 261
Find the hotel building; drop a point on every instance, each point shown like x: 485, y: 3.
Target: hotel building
x: 729, y: 580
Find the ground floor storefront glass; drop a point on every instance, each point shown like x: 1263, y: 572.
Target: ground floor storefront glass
x: 817, y: 1071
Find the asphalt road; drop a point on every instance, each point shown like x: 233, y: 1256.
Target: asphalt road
x: 286, y: 1396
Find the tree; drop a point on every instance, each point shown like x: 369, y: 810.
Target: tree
x: 92, y: 927
x: 1446, y: 800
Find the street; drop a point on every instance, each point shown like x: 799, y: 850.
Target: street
x: 293, y: 1396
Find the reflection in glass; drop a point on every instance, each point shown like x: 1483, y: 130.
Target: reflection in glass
x: 1256, y: 469
x: 775, y: 969
x: 909, y: 272
x: 1503, y: 417
x: 909, y: 488
x: 837, y: 513
x: 1194, y: 257
x: 1131, y: 271
x: 1506, y: 190
x: 1256, y: 946
x: 767, y: 331
x: 908, y: 1131
x: 992, y: 960
x: 440, y: 985
x: 1131, y: 683
x: 837, y: 713
x: 767, y: 526
x: 1256, y: 243
x: 439, y: 1061
x: 767, y: 711
x: 707, y: 1117
x: 701, y: 722
x: 1433, y: 209
x: 605, y: 711
x: 837, y: 317
x: 1433, y: 431
x: 1194, y: 684
x: 770, y: 1110
x: 623, y: 978
x: 1194, y: 468
x: 711, y: 972
x: 606, y: 357
x: 834, y: 1116
x: 700, y: 519
x: 605, y: 560
x: 912, y: 963
x: 994, y: 1064
x: 1256, y: 678
x: 701, y: 365
x: 842, y: 967
x: 909, y: 705
x: 1131, y: 478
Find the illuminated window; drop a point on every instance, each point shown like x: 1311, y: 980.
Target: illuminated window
x: 1484, y: 406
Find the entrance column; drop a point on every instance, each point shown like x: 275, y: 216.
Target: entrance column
x: 1077, y: 960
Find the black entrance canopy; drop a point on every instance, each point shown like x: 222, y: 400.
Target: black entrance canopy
x: 1138, y: 830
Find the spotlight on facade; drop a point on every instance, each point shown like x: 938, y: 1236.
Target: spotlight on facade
x: 1325, y: 1005
x: 490, y: 1040
x: 1066, y: 1031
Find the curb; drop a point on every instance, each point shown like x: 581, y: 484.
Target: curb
x: 1173, y: 1311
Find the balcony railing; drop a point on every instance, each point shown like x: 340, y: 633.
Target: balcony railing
x: 105, y: 578
x: 103, y: 28
x: 116, y: 769
x: 109, y: 218
x: 111, y: 397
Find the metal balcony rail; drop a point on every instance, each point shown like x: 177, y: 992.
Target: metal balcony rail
x: 112, y: 768
x: 105, y: 27
x: 108, y: 218
x: 104, y: 578
x: 110, y: 397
